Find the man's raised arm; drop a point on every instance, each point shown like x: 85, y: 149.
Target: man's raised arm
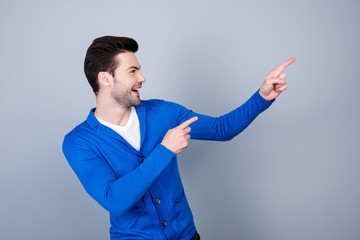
x: 227, y: 126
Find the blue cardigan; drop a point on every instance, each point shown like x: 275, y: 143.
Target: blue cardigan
x: 142, y: 190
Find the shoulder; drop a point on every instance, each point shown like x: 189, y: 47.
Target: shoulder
x: 160, y: 103
x: 162, y: 109
x: 150, y: 103
x: 83, y: 134
x: 78, y: 134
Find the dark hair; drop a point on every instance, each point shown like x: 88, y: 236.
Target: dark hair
x: 100, y: 56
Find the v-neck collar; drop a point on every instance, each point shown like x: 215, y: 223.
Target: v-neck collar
x: 100, y: 128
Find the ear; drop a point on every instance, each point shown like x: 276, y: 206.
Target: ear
x: 105, y: 79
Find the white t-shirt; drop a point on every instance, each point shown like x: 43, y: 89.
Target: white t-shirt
x: 130, y: 132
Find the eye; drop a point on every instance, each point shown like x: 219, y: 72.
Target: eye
x: 132, y: 71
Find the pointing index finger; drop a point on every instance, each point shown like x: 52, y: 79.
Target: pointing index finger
x: 188, y: 122
x: 274, y: 73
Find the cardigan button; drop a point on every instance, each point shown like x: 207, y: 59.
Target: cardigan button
x: 164, y: 223
x: 158, y: 201
x: 142, y: 159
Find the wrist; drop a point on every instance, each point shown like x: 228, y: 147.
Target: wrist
x: 263, y: 96
x: 165, y: 146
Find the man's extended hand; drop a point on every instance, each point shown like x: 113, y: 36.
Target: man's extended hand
x: 275, y: 82
x: 176, y: 139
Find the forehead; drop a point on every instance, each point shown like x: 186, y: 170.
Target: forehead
x: 126, y: 60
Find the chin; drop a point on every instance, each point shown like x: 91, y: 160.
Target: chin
x: 136, y: 103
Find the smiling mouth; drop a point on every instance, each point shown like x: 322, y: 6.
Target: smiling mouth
x: 135, y: 91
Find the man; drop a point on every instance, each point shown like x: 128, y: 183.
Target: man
x: 124, y: 154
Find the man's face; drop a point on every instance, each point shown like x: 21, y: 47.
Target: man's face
x: 127, y: 80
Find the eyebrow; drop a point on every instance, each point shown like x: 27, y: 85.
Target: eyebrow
x: 135, y: 67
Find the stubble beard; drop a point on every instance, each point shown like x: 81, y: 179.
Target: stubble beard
x: 125, y: 99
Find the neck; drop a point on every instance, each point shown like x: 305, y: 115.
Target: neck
x: 110, y: 111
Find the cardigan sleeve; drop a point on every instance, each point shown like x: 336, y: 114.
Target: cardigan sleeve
x: 117, y: 195
x: 225, y: 127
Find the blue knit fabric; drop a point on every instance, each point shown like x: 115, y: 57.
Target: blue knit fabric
x: 142, y: 190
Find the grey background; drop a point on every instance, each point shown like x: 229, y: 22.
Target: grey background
x: 292, y: 174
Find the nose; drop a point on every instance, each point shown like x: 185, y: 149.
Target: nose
x: 141, y: 78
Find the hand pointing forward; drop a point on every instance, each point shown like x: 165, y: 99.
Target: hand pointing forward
x: 275, y: 83
x: 176, y: 139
